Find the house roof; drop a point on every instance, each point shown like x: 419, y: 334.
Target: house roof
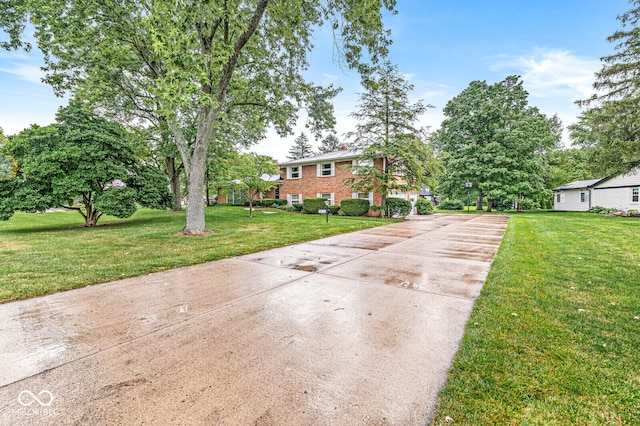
x: 345, y: 154
x: 580, y: 184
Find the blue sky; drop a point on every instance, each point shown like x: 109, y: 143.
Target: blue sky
x: 440, y: 45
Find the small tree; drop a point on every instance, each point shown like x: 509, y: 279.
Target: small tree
x: 81, y: 157
x: 253, y: 171
x: 301, y: 148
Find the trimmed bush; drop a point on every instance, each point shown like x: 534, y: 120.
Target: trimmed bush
x: 424, y: 206
x: 397, y: 207
x: 354, y: 206
x: 334, y: 210
x: 272, y: 202
x: 450, y: 205
x: 312, y: 205
x: 286, y: 208
x: 297, y: 206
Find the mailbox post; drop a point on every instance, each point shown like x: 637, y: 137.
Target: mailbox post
x: 468, y: 186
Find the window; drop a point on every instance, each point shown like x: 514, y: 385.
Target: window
x: 363, y: 196
x: 294, y: 172
x: 358, y: 164
x: 635, y: 194
x: 559, y: 198
x: 584, y: 197
x: 325, y: 169
x: 328, y: 196
x: 294, y: 199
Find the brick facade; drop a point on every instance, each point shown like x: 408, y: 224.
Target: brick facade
x: 310, y: 184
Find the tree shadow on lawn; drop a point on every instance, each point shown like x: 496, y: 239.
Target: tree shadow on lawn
x: 34, y: 229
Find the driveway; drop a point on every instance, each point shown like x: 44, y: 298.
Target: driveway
x: 356, y: 329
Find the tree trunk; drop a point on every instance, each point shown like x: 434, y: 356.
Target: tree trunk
x: 174, y: 179
x: 489, y: 204
x: 195, y: 203
x: 479, y: 202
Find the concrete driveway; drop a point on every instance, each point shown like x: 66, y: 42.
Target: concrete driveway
x: 356, y: 329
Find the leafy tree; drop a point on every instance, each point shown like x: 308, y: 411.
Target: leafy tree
x: 610, y: 126
x: 301, y: 148
x: 250, y: 171
x: 209, y: 60
x: 387, y: 129
x: 81, y: 157
x: 330, y: 144
x: 493, y: 139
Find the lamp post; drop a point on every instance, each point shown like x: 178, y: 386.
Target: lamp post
x: 326, y: 203
x: 468, y: 186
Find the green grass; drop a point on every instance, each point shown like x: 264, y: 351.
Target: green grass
x: 49, y: 252
x: 554, y: 337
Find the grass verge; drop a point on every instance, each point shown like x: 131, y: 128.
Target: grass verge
x: 554, y: 336
x: 49, y: 252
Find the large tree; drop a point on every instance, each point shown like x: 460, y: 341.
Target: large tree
x: 206, y: 58
x: 388, y: 128
x: 82, y: 157
x: 301, y: 148
x: 610, y: 126
x: 492, y: 138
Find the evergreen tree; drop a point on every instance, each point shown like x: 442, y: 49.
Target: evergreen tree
x: 301, y: 148
x: 330, y: 144
x: 610, y: 127
x: 388, y: 129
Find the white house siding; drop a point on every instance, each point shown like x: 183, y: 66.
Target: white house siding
x: 571, y: 200
x: 616, y: 192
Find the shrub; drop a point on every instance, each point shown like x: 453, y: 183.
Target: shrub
x: 312, y: 205
x: 450, y: 205
x: 354, y: 207
x: 526, y: 204
x: 334, y: 209
x: 272, y: 202
x: 601, y: 210
x: 297, y: 206
x: 397, y: 207
x: 501, y: 205
x: 286, y: 208
x: 424, y: 206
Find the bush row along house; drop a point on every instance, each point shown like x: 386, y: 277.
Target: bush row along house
x: 321, y: 176
x: 621, y: 192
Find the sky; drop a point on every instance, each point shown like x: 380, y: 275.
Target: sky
x: 439, y: 45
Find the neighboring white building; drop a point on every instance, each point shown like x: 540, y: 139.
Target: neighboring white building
x: 620, y: 192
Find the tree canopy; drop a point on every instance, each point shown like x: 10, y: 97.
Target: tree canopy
x: 216, y: 62
x: 492, y: 138
x: 610, y: 126
x: 81, y: 157
x: 330, y: 143
x: 387, y: 128
x: 252, y: 171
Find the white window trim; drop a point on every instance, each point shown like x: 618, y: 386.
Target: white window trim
x: 637, y: 188
x: 290, y: 172
x: 356, y: 164
x: 586, y: 197
x: 561, y: 195
x: 319, y: 169
x: 331, y: 197
x: 370, y: 197
x: 290, y: 199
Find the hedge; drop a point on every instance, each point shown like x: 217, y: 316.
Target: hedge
x: 397, y: 207
x: 424, y: 206
x: 354, y: 206
x: 450, y: 205
x: 312, y: 205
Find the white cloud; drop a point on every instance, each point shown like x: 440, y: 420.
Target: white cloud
x: 27, y: 72
x: 552, y: 72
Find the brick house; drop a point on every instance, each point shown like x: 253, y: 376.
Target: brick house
x: 323, y: 176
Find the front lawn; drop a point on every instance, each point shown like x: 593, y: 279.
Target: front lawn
x: 554, y: 337
x: 49, y: 252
